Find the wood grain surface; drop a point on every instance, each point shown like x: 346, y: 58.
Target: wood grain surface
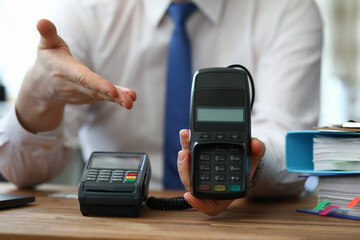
x: 60, y: 218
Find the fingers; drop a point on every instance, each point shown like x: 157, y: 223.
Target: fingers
x: 257, y: 148
x: 257, y: 153
x: 184, y: 139
x: 125, y: 100
x: 210, y: 207
x: 184, y: 168
x: 128, y: 91
x: 183, y: 163
x: 95, y: 86
x: 79, y: 73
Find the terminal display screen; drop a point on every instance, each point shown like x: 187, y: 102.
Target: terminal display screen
x: 219, y: 114
x: 115, y: 162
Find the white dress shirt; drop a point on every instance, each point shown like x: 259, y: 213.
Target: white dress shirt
x: 126, y: 42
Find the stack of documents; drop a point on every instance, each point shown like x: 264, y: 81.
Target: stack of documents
x: 336, y: 153
x: 340, y: 191
x: 333, y: 156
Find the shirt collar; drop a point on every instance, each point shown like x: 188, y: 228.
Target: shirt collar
x: 156, y: 9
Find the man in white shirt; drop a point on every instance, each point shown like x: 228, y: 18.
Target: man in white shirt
x: 124, y: 43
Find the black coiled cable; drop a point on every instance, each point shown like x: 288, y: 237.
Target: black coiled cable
x: 177, y: 203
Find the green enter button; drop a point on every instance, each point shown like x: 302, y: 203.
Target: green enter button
x: 234, y: 188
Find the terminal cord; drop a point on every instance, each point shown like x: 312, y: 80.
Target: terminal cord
x: 250, y: 78
x: 177, y: 203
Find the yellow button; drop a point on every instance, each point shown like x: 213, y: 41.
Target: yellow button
x: 130, y: 177
x: 219, y: 188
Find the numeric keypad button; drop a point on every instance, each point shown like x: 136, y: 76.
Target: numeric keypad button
x: 234, y: 168
x: 219, y: 177
x: 220, y: 168
x: 205, y: 157
x: 219, y: 157
x: 204, y: 177
x: 234, y: 178
x: 90, y: 179
x: 205, y: 167
x: 234, y: 158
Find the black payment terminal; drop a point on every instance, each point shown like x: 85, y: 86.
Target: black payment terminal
x: 220, y: 132
x: 114, y: 184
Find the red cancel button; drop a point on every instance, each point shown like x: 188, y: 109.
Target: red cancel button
x: 204, y: 187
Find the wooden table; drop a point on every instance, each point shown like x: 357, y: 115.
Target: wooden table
x: 60, y: 218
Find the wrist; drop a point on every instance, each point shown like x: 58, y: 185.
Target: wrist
x: 35, y: 107
x: 36, y: 115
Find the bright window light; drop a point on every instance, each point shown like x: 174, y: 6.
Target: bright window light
x: 19, y: 38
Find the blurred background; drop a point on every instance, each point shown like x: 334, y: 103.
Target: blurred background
x: 340, y: 81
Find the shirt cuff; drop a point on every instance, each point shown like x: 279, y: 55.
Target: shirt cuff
x: 27, y: 141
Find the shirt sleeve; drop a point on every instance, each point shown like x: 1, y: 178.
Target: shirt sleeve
x: 287, y: 92
x: 28, y: 159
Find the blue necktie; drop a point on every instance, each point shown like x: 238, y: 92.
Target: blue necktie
x: 179, y: 77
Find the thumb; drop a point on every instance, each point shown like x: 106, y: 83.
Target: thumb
x: 49, y: 36
x: 258, y: 149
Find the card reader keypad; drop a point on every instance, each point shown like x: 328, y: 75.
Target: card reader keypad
x: 220, y: 167
x: 111, y: 175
